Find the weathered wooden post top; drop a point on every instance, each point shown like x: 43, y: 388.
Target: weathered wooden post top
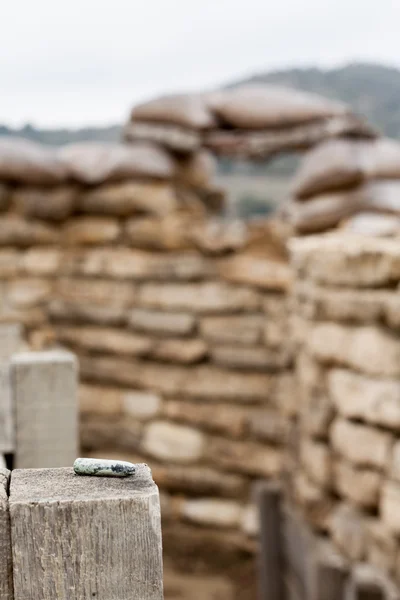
x: 77, y: 537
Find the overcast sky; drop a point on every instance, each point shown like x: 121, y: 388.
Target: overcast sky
x: 80, y: 62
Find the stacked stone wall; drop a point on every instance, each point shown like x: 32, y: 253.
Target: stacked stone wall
x: 346, y: 326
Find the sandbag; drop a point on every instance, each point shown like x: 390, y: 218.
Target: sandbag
x: 323, y: 212
x: 372, y: 224
x: 168, y: 233
x: 130, y: 197
x: 177, y: 139
x: 265, y: 143
x: 97, y: 162
x: 197, y: 170
x: 381, y: 159
x: 5, y: 197
x: 27, y: 162
x: 380, y: 196
x: 262, y: 106
x: 187, y: 110
x: 52, y: 203
x: 331, y: 165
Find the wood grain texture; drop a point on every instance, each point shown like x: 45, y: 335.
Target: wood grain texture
x: 329, y: 572
x: 44, y: 387
x: 6, y: 588
x: 271, y: 566
x: 7, y: 424
x: 10, y: 340
x: 85, y: 538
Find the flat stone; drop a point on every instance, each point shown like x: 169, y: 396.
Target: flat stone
x: 103, y: 467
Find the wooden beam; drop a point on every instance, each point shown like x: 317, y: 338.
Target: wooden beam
x: 44, y: 390
x: 7, y: 424
x: 85, y: 538
x: 6, y: 586
x: 329, y: 572
x: 271, y: 566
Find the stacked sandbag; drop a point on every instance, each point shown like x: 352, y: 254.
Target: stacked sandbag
x: 346, y: 464
x: 179, y: 322
x: 251, y: 121
x: 344, y: 180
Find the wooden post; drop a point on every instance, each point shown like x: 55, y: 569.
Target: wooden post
x: 328, y: 574
x: 44, y: 393
x: 10, y: 342
x: 85, y: 538
x: 271, y: 567
x: 6, y: 587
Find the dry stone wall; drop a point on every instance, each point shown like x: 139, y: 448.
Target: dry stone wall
x: 180, y: 328
x: 345, y: 321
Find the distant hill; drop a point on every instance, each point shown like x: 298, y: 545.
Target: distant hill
x: 58, y: 137
x: 372, y: 90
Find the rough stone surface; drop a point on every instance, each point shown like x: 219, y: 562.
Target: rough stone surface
x: 361, y: 445
x: 177, y: 443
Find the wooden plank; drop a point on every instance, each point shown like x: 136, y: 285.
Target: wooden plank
x: 44, y: 391
x: 329, y: 573
x: 10, y: 340
x: 85, y: 538
x: 297, y: 544
x: 270, y: 567
x: 6, y: 587
x: 7, y: 425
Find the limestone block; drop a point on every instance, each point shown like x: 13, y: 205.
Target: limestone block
x: 347, y: 260
x: 27, y: 293
x: 245, y: 457
x: 171, y: 442
x: 267, y: 425
x: 201, y: 382
x: 140, y: 405
x: 41, y: 261
x: 257, y: 271
x: 316, y: 504
x: 10, y: 262
x: 250, y: 357
x: 317, y: 462
x: 85, y: 312
x: 199, y: 480
x: 162, y: 323
x: 394, y: 466
x: 124, y: 263
x: 390, y: 506
x: 210, y: 297
x: 223, y: 418
x: 87, y: 231
x: 367, y: 349
x: 105, y: 339
x: 183, y: 351
x: 347, y: 528
x: 381, y: 545
x: 250, y: 521
x: 212, y: 512
x: 360, y: 444
x: 97, y: 292
x: 100, y: 400
x: 373, y: 400
x: 244, y: 329
x: 332, y: 304
x: 359, y: 486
